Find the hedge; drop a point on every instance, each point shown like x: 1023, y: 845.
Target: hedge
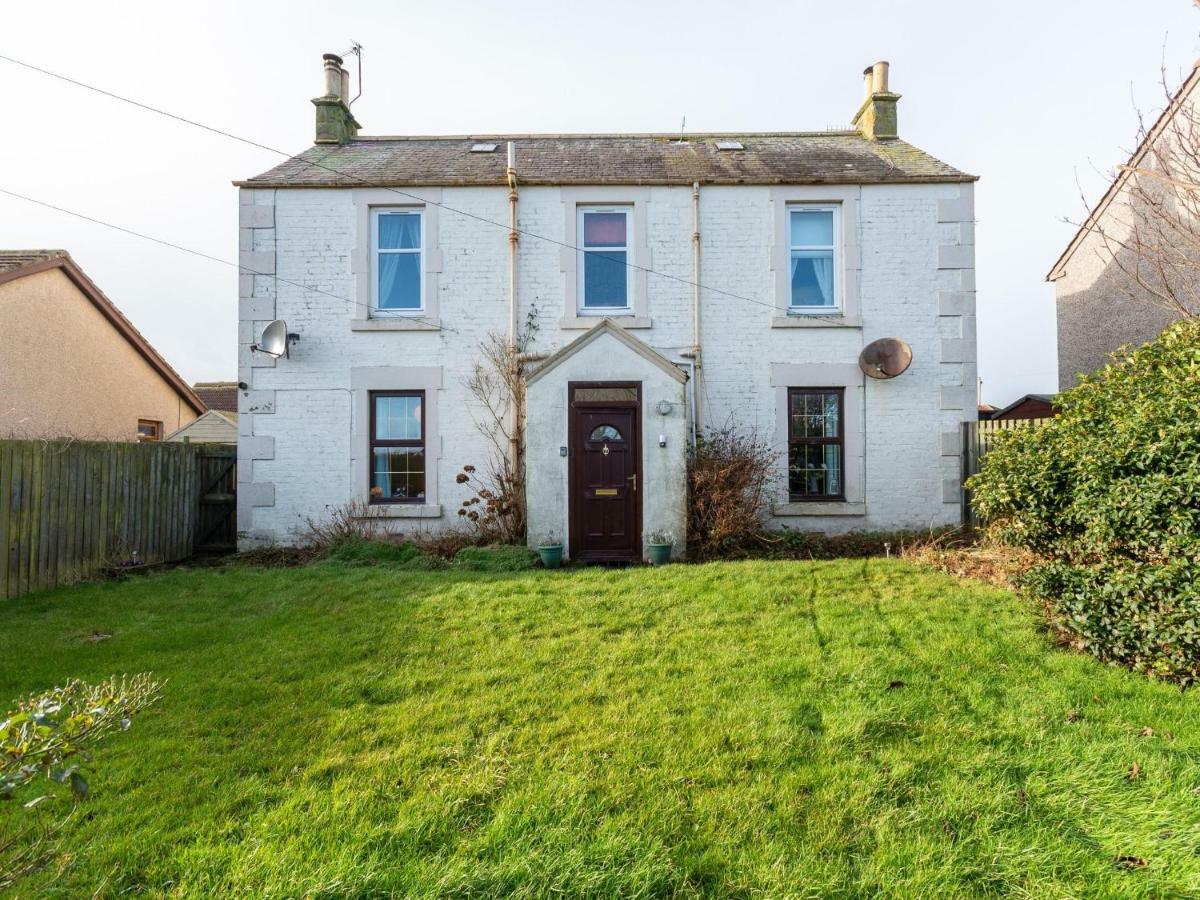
x: 1107, y: 494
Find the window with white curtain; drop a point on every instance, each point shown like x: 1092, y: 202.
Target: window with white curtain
x: 397, y: 277
x: 812, y: 241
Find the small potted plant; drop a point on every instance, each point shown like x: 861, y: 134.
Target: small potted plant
x: 658, y: 544
x: 550, y: 550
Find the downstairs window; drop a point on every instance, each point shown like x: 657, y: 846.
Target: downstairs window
x: 816, y: 443
x: 397, y: 447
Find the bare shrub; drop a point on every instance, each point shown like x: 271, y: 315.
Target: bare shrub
x: 730, y: 476
x: 498, y: 383
x: 445, y: 545
x: 1150, y: 232
x: 350, y: 521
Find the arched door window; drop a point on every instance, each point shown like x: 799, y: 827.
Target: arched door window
x: 605, y: 433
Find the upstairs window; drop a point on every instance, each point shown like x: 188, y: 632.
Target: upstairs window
x: 397, y: 447
x: 604, y: 235
x: 397, y: 278
x: 812, y: 245
x: 816, y: 442
x: 149, y: 430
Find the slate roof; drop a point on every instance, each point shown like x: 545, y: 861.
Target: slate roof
x: 219, y: 395
x: 832, y: 157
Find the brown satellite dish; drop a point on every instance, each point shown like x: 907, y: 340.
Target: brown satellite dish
x: 885, y: 358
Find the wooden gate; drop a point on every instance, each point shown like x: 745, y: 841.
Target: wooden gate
x: 216, y: 511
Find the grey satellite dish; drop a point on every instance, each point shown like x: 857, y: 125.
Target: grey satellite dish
x: 274, y: 341
x: 885, y: 358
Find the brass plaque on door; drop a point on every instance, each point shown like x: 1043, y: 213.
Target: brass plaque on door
x: 606, y: 492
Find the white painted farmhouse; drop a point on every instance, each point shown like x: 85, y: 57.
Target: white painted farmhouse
x: 392, y: 258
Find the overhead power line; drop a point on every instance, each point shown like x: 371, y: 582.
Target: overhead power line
x: 200, y: 253
x: 366, y: 182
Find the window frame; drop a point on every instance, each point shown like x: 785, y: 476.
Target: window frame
x: 375, y: 250
x: 373, y: 442
x: 835, y: 250
x: 156, y: 424
x: 839, y: 440
x: 581, y: 210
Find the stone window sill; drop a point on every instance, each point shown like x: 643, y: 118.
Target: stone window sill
x: 403, y: 511
x: 582, y: 323
x: 821, y: 508
x: 810, y: 321
x: 397, y: 323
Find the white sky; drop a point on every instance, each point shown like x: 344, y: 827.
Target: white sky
x: 1038, y: 97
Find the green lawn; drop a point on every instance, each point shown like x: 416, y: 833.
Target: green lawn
x: 742, y: 729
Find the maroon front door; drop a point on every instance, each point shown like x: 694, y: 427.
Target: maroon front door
x: 605, y: 446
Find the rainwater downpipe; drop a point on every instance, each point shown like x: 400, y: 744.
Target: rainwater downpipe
x: 694, y: 353
x: 513, y: 242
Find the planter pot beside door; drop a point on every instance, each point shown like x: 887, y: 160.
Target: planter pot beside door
x: 660, y: 554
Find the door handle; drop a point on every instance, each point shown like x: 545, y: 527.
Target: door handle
x: 633, y: 478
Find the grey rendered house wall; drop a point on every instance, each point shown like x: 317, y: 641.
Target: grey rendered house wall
x: 1097, y: 314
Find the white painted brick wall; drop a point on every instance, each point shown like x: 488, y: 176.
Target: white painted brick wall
x: 902, y: 244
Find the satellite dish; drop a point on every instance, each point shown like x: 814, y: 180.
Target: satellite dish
x: 885, y: 358
x: 274, y: 341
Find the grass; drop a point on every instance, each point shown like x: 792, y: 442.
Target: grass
x: 742, y: 729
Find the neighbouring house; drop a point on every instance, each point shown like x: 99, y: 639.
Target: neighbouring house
x: 1031, y: 406
x: 987, y: 411
x: 71, y: 365
x: 214, y: 427
x: 218, y: 395
x: 1099, y: 307
x: 392, y: 259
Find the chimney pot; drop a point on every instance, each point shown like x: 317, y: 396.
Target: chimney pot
x: 879, y: 77
x: 333, y: 75
x: 344, y: 87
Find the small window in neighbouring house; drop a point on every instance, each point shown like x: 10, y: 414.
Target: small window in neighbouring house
x: 397, y: 447
x: 812, y: 245
x: 815, y: 443
x: 603, y: 270
x: 149, y: 430
x: 396, y: 270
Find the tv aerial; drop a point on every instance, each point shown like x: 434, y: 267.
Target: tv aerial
x: 885, y: 358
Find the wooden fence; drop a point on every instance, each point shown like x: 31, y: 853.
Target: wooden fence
x: 977, y: 440
x: 69, y: 509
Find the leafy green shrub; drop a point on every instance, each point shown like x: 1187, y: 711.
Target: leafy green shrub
x: 500, y: 558
x: 357, y: 551
x: 1108, y: 496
